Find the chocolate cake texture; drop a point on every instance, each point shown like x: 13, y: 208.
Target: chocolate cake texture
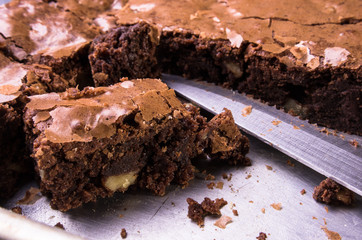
x: 91, y: 143
x: 301, y: 56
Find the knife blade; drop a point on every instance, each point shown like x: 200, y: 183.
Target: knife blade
x: 331, y: 155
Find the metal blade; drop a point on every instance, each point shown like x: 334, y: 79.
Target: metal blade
x: 330, y: 155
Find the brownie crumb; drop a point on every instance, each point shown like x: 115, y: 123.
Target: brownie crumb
x: 210, y: 177
x: 326, y: 208
x: 314, y: 218
x: 263, y: 210
x: 235, y: 212
x: 223, y: 221
x: 31, y: 196
x: 120, y: 215
x: 303, y: 192
x: 59, y: 225
x: 246, y: 110
x: 290, y: 163
x: 262, y: 236
x: 354, y: 143
x: 269, y: 167
x: 331, y: 235
x: 123, y: 233
x: 228, y: 177
x: 248, y: 176
x: 330, y: 192
x: 276, y: 206
x: 296, y: 127
x: 210, y: 185
x: 220, y: 185
x: 197, y: 211
x: 17, y: 210
x: 276, y: 122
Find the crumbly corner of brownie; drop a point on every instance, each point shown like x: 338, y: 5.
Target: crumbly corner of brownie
x: 226, y: 141
x: 330, y: 192
x: 126, y: 51
x: 197, y: 211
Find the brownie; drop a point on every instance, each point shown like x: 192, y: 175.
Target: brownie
x: 126, y: 51
x: 302, y: 57
x: 90, y: 143
x: 13, y: 164
x: 330, y: 192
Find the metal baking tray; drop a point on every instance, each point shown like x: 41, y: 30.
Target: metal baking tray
x: 146, y: 216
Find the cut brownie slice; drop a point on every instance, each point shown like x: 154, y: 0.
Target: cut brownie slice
x: 91, y: 143
x: 127, y: 51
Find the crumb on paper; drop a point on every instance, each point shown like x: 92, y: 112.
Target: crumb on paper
x: 210, y: 177
x: 173, y: 204
x: 301, y: 125
x: 59, y: 225
x: 325, y: 221
x: 276, y: 122
x: 17, y: 210
x: 251, y: 201
x: 269, y: 130
x: 262, y: 236
x: 235, y: 212
x: 246, y: 110
x: 269, y: 167
x: 354, y: 143
x: 220, y: 185
x: 124, y: 233
x: 263, y: 210
x: 303, y: 191
x: 120, y: 215
x: 276, y: 206
x: 342, y: 136
x: 296, y: 127
x: 300, y: 203
x: 223, y: 221
x: 210, y: 185
x: 331, y: 235
x: 326, y: 208
x: 314, y: 218
x: 31, y: 196
x: 289, y: 162
x: 248, y: 176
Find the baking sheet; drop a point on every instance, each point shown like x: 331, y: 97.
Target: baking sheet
x: 145, y: 216
x: 330, y: 154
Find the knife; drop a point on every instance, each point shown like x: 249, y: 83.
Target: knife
x: 331, y: 155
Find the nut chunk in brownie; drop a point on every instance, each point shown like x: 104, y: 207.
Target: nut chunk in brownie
x: 330, y: 192
x: 91, y: 143
x: 127, y: 51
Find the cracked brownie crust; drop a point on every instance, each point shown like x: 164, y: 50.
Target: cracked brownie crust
x: 91, y: 143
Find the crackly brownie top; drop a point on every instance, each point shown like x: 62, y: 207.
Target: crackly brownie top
x: 47, y: 26
x: 316, y: 32
x: 11, y: 74
x: 92, y: 113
